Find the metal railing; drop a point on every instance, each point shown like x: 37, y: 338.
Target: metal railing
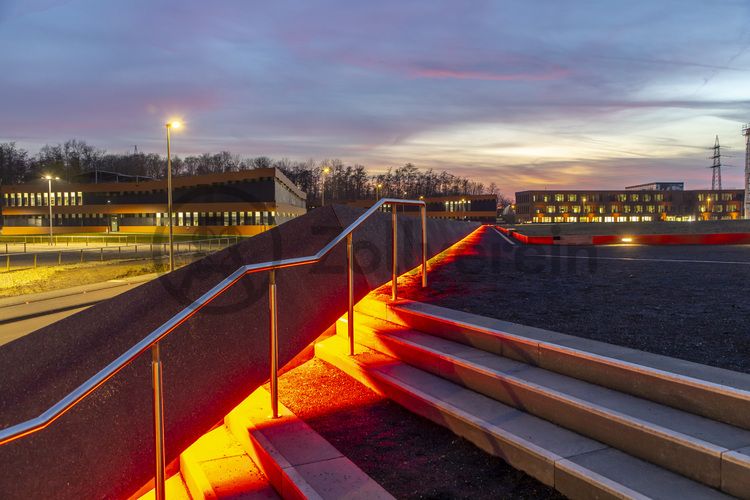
x: 113, y: 252
x: 151, y: 341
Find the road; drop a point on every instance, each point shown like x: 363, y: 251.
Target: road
x: 22, y: 315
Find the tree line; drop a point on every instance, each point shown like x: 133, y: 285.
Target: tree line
x: 340, y: 182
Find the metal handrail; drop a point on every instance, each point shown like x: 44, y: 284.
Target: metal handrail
x: 54, y: 412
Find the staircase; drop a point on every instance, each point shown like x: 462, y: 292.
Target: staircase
x: 250, y: 456
x: 592, y: 420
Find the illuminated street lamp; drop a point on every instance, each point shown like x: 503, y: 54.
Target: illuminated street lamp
x: 378, y: 187
x: 49, y: 179
x: 326, y: 171
x: 174, y: 124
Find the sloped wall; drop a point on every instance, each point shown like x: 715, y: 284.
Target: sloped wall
x: 103, y: 448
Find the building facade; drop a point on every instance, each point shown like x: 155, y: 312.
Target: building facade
x: 245, y: 203
x: 633, y: 204
x: 480, y: 208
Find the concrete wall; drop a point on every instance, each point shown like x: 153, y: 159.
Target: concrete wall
x: 103, y: 448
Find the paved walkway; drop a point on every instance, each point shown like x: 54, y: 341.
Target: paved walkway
x: 24, y: 314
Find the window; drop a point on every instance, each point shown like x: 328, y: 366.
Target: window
x: 626, y: 209
x: 622, y: 197
x: 646, y: 197
x: 563, y: 209
x: 559, y: 197
x: 659, y: 197
x: 551, y: 209
x: 633, y: 197
x: 576, y: 209
x: 639, y: 209
x: 572, y: 197
x: 650, y: 209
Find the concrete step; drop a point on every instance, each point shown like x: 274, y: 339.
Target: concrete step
x: 577, y: 466
x: 688, y: 444
x: 712, y: 392
x: 216, y: 467
x: 298, y: 461
x: 175, y: 489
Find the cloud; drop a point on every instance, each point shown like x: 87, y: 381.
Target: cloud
x: 523, y: 94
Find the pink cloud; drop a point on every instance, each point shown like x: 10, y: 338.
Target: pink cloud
x: 554, y: 74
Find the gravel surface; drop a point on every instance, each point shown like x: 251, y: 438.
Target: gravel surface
x: 408, y: 455
x: 691, y: 310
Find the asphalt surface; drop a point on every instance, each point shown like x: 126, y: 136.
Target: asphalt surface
x: 687, y: 302
x: 22, y: 315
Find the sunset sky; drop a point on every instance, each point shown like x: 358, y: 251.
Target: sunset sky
x: 529, y: 94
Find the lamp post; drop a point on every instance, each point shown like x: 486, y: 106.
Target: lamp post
x: 49, y: 202
x: 170, y: 125
x: 377, y: 191
x: 326, y: 171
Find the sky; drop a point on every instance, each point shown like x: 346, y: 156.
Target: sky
x: 526, y: 94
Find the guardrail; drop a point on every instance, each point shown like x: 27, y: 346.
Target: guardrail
x: 191, y: 245
x: 151, y: 341
x: 105, y: 240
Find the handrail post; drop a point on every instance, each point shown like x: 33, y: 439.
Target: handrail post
x: 350, y: 294
x: 274, y: 344
x: 394, y: 273
x: 156, y: 381
x: 423, y: 213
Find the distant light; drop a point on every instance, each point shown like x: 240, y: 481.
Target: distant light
x: 627, y: 240
x: 174, y: 124
x: 326, y: 170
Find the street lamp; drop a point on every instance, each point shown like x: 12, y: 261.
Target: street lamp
x: 49, y: 202
x: 377, y: 190
x: 326, y: 171
x: 174, y: 124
